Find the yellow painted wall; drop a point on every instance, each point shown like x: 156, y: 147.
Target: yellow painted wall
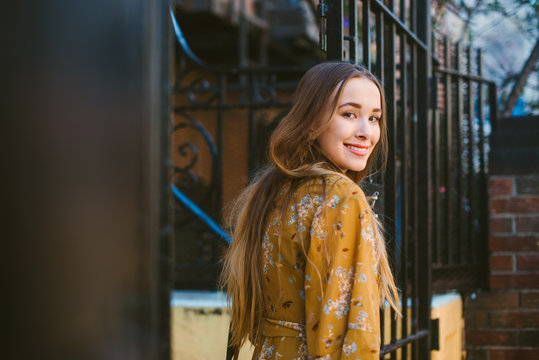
x: 447, y: 308
x: 200, y: 327
x: 451, y: 328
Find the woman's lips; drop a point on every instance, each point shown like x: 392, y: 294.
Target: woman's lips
x: 359, y: 150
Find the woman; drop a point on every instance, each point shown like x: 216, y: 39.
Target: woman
x: 307, y: 270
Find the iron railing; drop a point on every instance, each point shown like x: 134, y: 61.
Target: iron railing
x: 394, y: 43
x: 462, y: 120
x: 222, y: 118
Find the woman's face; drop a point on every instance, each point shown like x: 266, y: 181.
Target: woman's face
x: 354, y: 128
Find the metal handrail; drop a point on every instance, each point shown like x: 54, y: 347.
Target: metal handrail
x: 205, y: 218
x: 183, y: 42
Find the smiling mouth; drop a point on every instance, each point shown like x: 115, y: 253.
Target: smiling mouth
x: 357, y: 150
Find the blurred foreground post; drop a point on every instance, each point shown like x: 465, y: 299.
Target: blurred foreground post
x: 84, y: 203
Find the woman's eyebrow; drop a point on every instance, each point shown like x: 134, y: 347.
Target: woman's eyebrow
x: 356, y: 105
x: 351, y: 104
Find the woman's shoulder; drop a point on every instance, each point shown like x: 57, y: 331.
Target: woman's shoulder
x: 334, y: 185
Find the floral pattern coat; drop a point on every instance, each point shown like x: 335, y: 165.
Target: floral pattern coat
x: 320, y: 304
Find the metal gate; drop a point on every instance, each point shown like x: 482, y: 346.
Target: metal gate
x: 393, y: 41
x: 434, y: 200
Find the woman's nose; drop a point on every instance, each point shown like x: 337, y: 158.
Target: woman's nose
x: 362, y: 128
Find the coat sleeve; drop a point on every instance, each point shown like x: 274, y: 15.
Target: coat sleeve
x: 341, y: 286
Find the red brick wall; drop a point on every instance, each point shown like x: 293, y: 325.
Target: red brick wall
x: 503, y: 323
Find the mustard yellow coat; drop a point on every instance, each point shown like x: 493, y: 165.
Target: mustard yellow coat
x: 319, y: 306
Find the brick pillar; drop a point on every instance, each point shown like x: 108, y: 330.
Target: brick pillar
x: 503, y: 323
x: 514, y: 212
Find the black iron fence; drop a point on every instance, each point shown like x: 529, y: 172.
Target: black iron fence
x: 434, y: 201
x: 464, y: 116
x: 241, y: 107
x: 395, y: 44
x: 222, y: 118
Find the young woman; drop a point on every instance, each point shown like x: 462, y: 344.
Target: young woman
x: 307, y: 270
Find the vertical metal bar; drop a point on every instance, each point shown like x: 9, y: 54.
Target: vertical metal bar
x: 458, y: 157
x: 322, y: 12
x: 264, y: 39
x: 380, y: 56
x: 437, y: 213
x: 243, y: 43
x: 391, y: 181
x: 353, y: 41
x: 220, y: 140
x: 334, y: 30
x: 436, y: 136
x: 493, y: 106
x: 243, y: 51
x: 471, y: 173
x: 448, y: 238
x: 253, y: 148
x: 481, y: 113
x: 415, y: 189
x: 436, y: 129
x: 424, y: 176
x: 483, y: 199
x: 390, y: 177
x: 413, y: 15
x: 407, y: 162
x: 366, y: 34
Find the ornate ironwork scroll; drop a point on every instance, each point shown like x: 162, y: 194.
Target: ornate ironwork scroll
x: 209, y: 102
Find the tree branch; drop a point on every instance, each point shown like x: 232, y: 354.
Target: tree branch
x: 521, y: 80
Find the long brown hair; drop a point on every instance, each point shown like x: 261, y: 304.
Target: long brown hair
x: 295, y: 155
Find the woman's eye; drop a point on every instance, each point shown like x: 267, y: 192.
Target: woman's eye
x: 349, y: 115
x: 374, y: 118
